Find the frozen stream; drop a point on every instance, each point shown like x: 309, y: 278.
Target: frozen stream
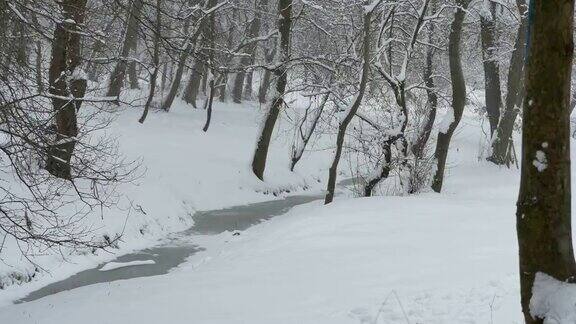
x: 159, y: 260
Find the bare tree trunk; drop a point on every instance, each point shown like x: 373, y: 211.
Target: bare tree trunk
x: 65, y: 59
x: 424, y: 135
x: 266, y: 78
x: 155, y: 61
x: 133, y: 72
x: 193, y: 85
x: 284, y: 27
x: 223, y: 85
x: 39, y: 79
x: 458, y: 93
x: 384, y: 172
x: 22, y: 44
x: 208, y: 104
x: 502, y: 142
x: 248, y: 83
x: 253, y: 31
x: 167, y: 103
x: 333, y: 171
x: 164, y: 78
x: 304, y: 136
x: 493, y: 93
x: 200, y: 69
x: 543, y: 215
x: 238, y: 84
x: 130, y: 40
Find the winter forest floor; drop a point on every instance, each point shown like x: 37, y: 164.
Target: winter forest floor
x: 426, y: 258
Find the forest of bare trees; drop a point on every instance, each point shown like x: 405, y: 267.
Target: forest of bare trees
x: 388, y: 81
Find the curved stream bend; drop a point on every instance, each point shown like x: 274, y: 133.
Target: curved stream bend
x: 166, y: 257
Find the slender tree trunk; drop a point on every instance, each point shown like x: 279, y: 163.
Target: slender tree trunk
x: 155, y: 60
x: 66, y: 57
x: 502, y: 142
x: 248, y: 83
x: 284, y: 27
x: 458, y: 93
x: 98, y: 45
x: 543, y: 215
x: 208, y: 104
x: 253, y: 31
x: 424, y: 135
x: 383, y: 173
x: 333, y: 171
x: 266, y: 78
x: 167, y: 103
x: 200, y: 69
x: 164, y: 79
x: 304, y: 136
x: 223, y: 86
x: 130, y: 39
x: 39, y: 70
x: 492, y: 91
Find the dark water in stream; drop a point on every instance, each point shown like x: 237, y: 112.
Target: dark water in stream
x: 177, y: 251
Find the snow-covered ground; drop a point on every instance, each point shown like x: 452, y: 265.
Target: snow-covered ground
x: 427, y: 258
x: 184, y: 170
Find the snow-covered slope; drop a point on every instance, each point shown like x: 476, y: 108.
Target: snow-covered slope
x: 184, y: 170
x: 428, y: 258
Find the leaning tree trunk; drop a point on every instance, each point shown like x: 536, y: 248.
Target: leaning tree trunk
x: 155, y: 61
x: 64, y: 61
x: 130, y: 39
x: 543, y: 215
x: 458, y: 94
x: 167, y: 103
x: 502, y: 142
x: 284, y: 27
x: 492, y: 91
x: 333, y: 171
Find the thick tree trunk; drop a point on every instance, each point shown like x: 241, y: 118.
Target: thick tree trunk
x: 133, y: 72
x: 130, y: 40
x: 543, y: 215
x: 65, y: 60
x: 333, y: 171
x: 458, y: 93
x: 502, y: 142
x: 238, y: 85
x: 193, y: 85
x: 22, y: 44
x: 492, y: 93
x: 284, y: 27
